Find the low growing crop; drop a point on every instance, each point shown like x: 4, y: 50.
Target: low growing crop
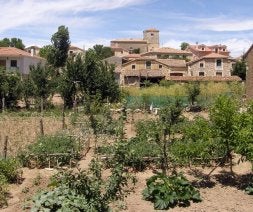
x: 168, y: 191
x: 51, y: 144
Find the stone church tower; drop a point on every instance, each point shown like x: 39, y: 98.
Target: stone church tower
x: 152, y: 38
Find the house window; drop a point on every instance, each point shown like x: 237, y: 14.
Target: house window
x: 160, y: 66
x: 218, y: 73
x: 216, y: 50
x: 3, y: 64
x: 133, y: 67
x: 219, y: 64
x: 14, y: 63
x: 148, y: 64
x: 176, y: 74
x: 201, y: 74
x: 203, y: 48
x: 201, y: 65
x: 152, y: 34
x: 224, y: 50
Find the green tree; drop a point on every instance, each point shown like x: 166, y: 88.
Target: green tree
x: 239, y: 69
x: 28, y: 90
x: 69, y: 79
x: 192, y: 90
x: 10, y: 88
x: 58, y: 55
x: 13, y: 42
x: 169, y: 117
x: 40, y: 76
x: 45, y: 50
x: 184, y: 45
x: 98, y: 78
x: 102, y: 52
x: 224, y: 119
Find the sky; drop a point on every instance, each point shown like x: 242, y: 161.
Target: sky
x: 91, y: 22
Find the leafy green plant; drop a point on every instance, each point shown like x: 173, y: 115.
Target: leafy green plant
x: 82, y: 191
x: 249, y: 189
x: 9, y: 169
x: 3, y: 191
x: 168, y: 191
x: 51, y: 144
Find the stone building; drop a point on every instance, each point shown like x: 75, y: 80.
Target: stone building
x: 149, y: 41
x: 18, y: 60
x: 248, y: 56
x: 213, y: 64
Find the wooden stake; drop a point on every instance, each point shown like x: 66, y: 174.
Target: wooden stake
x: 41, y: 127
x: 5, y: 147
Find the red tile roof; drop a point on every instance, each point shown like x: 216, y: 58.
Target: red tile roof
x: 172, y: 62
x: 14, y: 52
x: 151, y: 30
x: 127, y: 40
x: 205, y: 78
x: 215, y: 55
x: 144, y: 73
x: 167, y: 50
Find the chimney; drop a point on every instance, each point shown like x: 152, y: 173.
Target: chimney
x: 32, y: 52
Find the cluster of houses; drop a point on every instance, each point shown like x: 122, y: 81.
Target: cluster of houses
x: 139, y: 60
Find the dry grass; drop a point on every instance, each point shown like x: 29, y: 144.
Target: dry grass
x: 210, y: 89
x: 24, y: 130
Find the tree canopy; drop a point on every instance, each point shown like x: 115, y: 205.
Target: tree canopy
x: 239, y: 69
x: 101, y: 51
x: 13, y: 42
x: 58, y: 54
x: 184, y: 45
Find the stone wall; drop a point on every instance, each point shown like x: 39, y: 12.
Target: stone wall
x: 210, y: 67
x: 249, y: 75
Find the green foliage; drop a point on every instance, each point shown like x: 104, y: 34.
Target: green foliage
x: 40, y: 77
x: 244, y: 135
x: 249, y: 189
x: 9, y: 169
x: 51, y: 144
x: 166, y: 83
x: 3, y: 191
x: 69, y: 80
x: 192, y: 90
x: 82, y: 191
x: 184, y: 45
x: 224, y: 118
x: 130, y: 153
x: 58, y: 53
x: 10, y: 87
x: 28, y: 89
x: 102, y: 52
x: 45, y: 51
x: 168, y: 191
x: 13, y: 42
x: 240, y: 69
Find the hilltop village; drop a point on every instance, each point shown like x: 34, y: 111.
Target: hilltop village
x: 142, y: 59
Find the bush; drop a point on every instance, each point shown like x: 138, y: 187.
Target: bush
x: 166, y: 192
x: 82, y: 191
x: 51, y: 144
x: 9, y: 169
x: 3, y: 191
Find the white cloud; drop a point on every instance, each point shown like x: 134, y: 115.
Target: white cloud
x: 172, y: 43
x: 86, y: 44
x: 236, y: 46
x: 222, y: 25
x: 17, y: 13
